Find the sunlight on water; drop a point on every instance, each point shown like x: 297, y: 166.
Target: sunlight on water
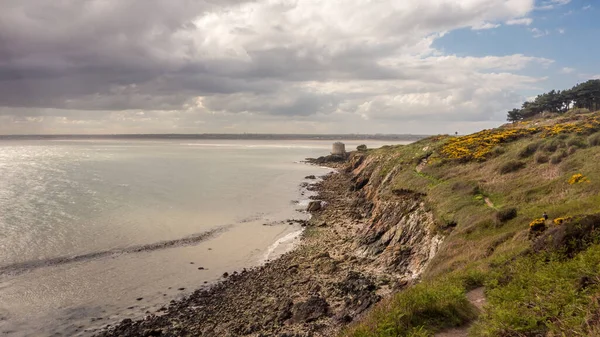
x: 86, y: 227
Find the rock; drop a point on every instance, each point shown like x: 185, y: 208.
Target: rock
x: 139, y: 298
x: 200, y: 268
x: 225, y: 275
x: 191, y: 262
x: 310, y: 177
x: 180, y: 289
x: 314, y: 206
x: 310, y: 310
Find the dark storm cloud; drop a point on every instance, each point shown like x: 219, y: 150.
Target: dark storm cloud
x: 82, y: 60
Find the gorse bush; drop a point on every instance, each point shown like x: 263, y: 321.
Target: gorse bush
x: 511, y: 166
x: 578, y: 178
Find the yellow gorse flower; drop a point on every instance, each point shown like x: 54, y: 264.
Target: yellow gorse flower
x: 578, y: 178
x: 537, y: 222
x: 478, y: 146
x: 560, y: 221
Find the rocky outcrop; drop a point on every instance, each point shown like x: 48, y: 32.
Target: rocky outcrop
x: 314, y: 206
x: 399, y: 232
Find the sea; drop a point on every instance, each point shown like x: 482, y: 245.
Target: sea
x: 96, y: 231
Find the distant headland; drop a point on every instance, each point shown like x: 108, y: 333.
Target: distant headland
x: 224, y: 136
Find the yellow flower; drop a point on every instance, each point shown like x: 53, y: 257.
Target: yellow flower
x: 537, y: 223
x: 560, y: 221
x: 578, y: 178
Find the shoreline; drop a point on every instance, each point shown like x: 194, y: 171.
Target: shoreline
x: 313, y: 290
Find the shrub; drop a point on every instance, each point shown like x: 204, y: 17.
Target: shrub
x: 594, y: 140
x: 498, y: 151
x: 528, y: 150
x: 552, y: 145
x: 560, y: 221
x: 576, y: 142
x: 467, y: 187
x: 578, y: 111
x: 511, y: 166
x: 506, y: 214
x: 541, y: 158
x: 578, y: 178
x: 361, y: 148
x: 537, y: 225
x: 558, y: 157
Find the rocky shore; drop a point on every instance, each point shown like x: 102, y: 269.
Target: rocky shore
x: 354, y: 251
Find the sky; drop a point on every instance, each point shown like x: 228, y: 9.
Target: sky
x: 285, y: 66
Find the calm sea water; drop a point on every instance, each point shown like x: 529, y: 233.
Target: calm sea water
x: 96, y: 231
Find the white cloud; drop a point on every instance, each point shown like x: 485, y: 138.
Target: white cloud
x: 561, y: 30
x: 567, y: 70
x: 588, y: 7
x: 520, y: 21
x: 262, y: 66
x: 539, y: 33
x: 485, y: 25
x: 551, y: 4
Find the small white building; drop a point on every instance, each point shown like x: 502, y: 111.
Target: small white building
x: 338, y: 149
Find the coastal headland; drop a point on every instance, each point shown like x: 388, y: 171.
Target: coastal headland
x: 490, y: 234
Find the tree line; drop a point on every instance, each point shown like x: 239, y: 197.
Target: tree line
x: 585, y: 95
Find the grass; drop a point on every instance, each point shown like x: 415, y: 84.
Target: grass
x: 543, y: 295
x: 529, y: 294
x: 419, y: 311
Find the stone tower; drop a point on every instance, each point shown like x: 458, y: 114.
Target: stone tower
x: 338, y: 149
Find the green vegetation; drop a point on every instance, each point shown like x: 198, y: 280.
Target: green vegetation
x: 539, y: 282
x: 420, y: 310
x: 506, y: 214
x: 511, y: 166
x: 584, y: 97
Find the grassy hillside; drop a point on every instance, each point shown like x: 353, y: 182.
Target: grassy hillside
x: 485, y: 190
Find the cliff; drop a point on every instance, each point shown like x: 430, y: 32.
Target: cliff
x: 460, y: 213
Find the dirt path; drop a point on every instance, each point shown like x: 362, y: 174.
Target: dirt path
x: 421, y: 165
x: 475, y: 297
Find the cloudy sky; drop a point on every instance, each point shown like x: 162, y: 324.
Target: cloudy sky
x: 285, y: 66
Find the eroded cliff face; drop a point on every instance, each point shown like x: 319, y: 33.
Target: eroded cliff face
x: 398, y: 230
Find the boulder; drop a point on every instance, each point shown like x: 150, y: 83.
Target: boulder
x: 310, y: 177
x: 314, y: 206
x: 310, y: 310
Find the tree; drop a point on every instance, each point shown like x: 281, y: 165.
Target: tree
x: 514, y: 115
x: 585, y: 95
